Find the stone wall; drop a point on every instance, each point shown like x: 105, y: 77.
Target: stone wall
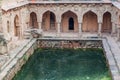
x: 10, y: 17
x: 69, y: 43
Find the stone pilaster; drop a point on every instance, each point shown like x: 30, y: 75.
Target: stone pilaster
x: 99, y: 29
x: 39, y: 23
x: 118, y: 33
x: 58, y: 29
x: 80, y: 30
x: 40, y: 31
x: 20, y: 30
x: 113, y: 28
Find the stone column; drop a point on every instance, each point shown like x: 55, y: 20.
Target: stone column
x: 80, y: 30
x: 22, y: 28
x: 12, y: 27
x: 58, y: 29
x: 99, y: 29
x: 21, y: 31
x: 39, y: 23
x: 118, y: 32
x: 40, y: 28
x: 113, y: 28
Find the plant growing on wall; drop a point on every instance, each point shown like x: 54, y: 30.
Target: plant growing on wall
x: 25, y: 58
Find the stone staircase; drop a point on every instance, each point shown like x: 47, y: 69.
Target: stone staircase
x: 112, y: 51
x: 31, y: 33
x: 27, y: 34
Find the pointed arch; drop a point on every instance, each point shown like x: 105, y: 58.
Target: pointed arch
x: 33, y: 20
x: 93, y: 11
x: 48, y: 21
x: 69, y: 21
x: 90, y: 22
x: 16, y: 26
x: 107, y: 24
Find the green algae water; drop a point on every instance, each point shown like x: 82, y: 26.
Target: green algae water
x: 65, y: 64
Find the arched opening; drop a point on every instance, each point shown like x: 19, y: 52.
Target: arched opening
x: 107, y: 25
x: 16, y: 27
x: 90, y: 23
x: 8, y: 27
x: 69, y: 22
x: 33, y: 20
x: 48, y: 21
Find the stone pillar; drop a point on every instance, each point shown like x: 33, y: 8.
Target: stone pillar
x: 12, y: 27
x: 113, y: 28
x: 118, y: 32
x: 58, y: 29
x: 21, y: 29
x: 80, y: 30
x: 99, y: 29
x: 40, y: 26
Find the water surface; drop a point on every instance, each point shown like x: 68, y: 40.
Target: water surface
x: 65, y: 64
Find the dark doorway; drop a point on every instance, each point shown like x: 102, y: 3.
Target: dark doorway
x: 52, y: 21
x: 71, y: 24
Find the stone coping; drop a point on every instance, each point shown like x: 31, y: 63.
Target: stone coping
x: 116, y: 4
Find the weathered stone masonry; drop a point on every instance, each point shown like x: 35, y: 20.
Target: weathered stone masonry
x: 57, y: 19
